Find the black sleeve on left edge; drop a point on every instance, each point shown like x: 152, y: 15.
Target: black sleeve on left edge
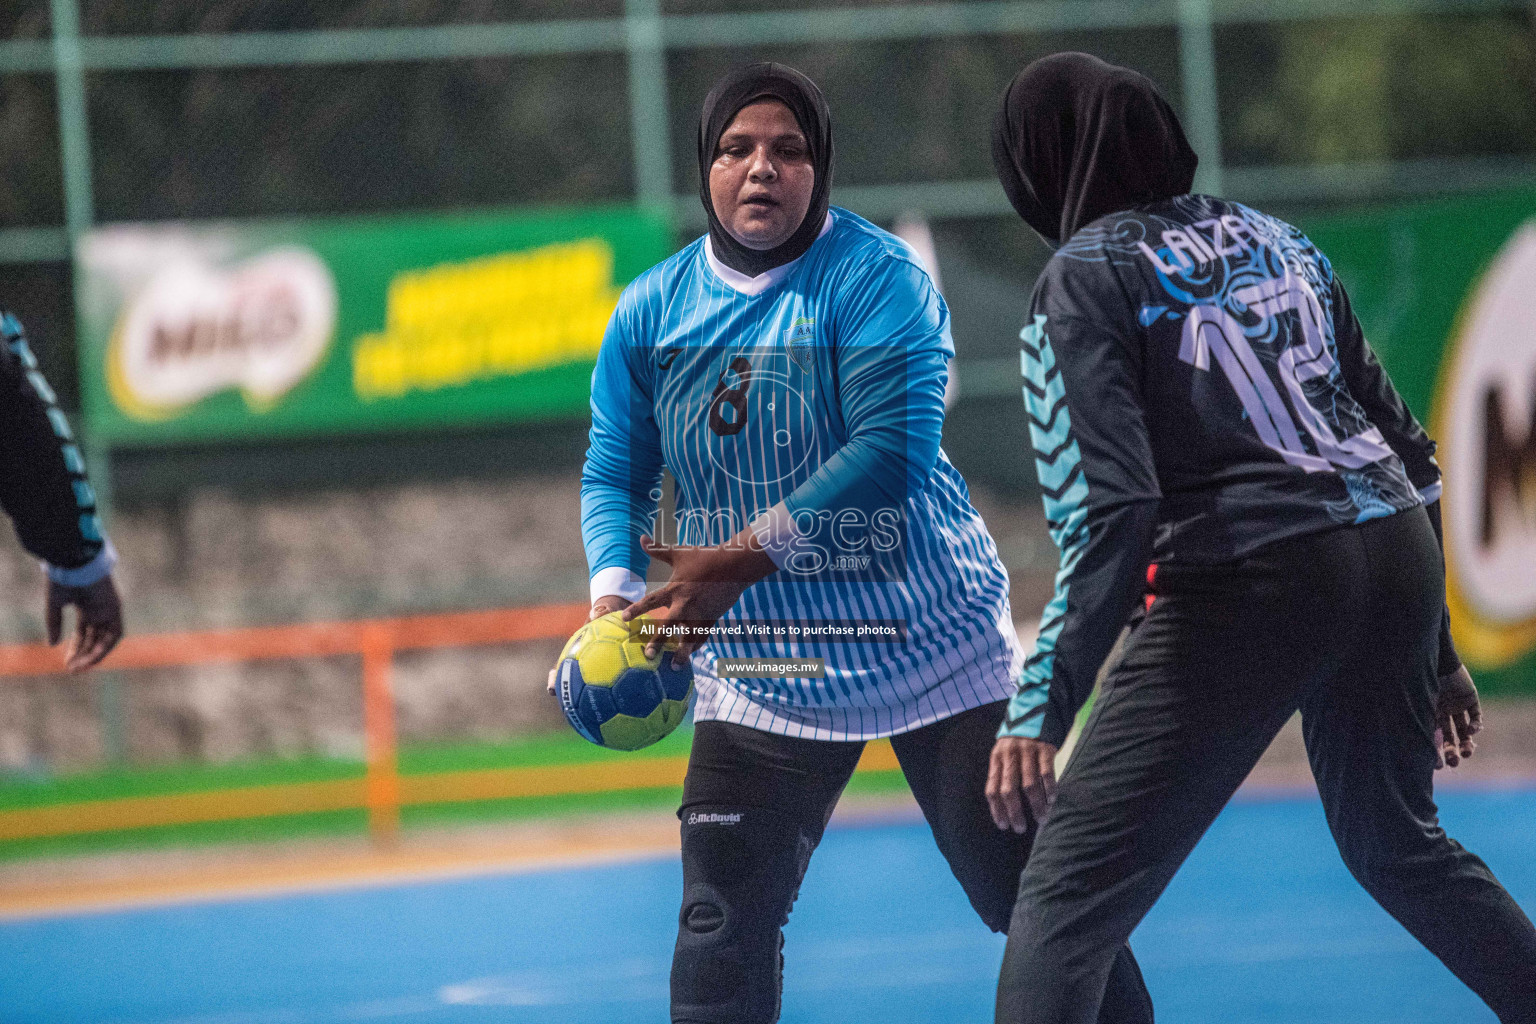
x: 42, y: 473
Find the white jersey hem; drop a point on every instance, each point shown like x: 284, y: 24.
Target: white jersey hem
x: 969, y: 686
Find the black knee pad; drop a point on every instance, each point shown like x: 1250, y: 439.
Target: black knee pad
x: 741, y: 871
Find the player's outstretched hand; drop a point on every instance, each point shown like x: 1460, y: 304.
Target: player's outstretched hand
x: 602, y: 606
x: 1458, y: 717
x: 705, y: 582
x: 1021, y: 769
x: 99, y: 620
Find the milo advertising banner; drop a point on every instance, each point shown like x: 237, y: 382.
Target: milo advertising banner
x: 1447, y: 295
x: 212, y: 332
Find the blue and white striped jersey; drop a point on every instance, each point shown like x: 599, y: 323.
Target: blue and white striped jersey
x: 807, y: 401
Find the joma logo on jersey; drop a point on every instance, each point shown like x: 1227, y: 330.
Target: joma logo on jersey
x: 800, y: 339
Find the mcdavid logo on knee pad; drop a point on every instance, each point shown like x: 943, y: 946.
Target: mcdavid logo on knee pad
x: 695, y: 818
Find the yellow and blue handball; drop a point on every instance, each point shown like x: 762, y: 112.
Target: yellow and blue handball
x: 613, y: 694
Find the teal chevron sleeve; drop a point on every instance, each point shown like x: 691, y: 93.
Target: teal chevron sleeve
x: 1087, y: 426
x: 43, y: 485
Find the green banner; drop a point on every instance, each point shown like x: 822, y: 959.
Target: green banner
x: 210, y: 332
x: 1446, y: 292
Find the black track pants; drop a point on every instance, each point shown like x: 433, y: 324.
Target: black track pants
x: 754, y: 808
x: 1341, y: 625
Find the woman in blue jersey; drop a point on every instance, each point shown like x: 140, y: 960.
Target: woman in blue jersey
x: 789, y: 370
x: 1201, y: 396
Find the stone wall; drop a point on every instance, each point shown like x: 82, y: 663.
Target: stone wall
x: 214, y: 558
x: 217, y: 559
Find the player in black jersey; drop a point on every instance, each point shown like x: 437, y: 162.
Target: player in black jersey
x: 1202, y: 397
x: 43, y: 488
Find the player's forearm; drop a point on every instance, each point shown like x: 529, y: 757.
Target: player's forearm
x: 43, y: 486
x: 612, y: 523
x: 1449, y: 660
x: 1103, y: 574
x: 621, y: 474
x: 745, y: 560
x: 894, y: 435
x: 619, y: 501
x: 860, y: 476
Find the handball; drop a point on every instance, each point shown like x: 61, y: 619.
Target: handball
x: 612, y: 693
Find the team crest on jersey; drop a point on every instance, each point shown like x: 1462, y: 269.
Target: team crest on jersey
x: 800, y: 339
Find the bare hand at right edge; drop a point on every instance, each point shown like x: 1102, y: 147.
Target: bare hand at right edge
x: 602, y: 606
x: 98, y: 620
x: 1458, y: 717
x: 1020, y: 770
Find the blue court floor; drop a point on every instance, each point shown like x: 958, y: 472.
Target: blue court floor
x: 1262, y: 926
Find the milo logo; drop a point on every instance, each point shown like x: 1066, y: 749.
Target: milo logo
x: 1486, y: 423
x: 194, y: 329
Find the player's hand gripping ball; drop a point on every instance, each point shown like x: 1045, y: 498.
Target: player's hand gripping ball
x: 612, y: 693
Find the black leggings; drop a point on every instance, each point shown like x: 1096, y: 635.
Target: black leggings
x: 1342, y: 626
x: 754, y: 808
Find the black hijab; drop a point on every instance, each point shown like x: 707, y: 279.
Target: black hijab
x: 1077, y: 138
x: 736, y: 90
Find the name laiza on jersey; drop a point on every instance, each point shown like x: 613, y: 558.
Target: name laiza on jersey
x: 1247, y: 304
x: 1202, y: 243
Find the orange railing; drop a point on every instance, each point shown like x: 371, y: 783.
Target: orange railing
x: 382, y: 791
x: 375, y: 642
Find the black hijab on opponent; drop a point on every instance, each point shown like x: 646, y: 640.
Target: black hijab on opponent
x: 1077, y: 138
x: 736, y: 90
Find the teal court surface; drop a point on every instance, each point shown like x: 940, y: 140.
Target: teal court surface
x: 1263, y: 926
